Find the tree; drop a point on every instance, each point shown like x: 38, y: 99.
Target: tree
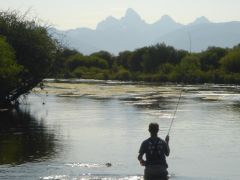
x: 104, y: 55
x: 189, y: 69
x: 9, y: 71
x: 231, y: 62
x: 136, y: 60
x: 34, y: 48
x: 75, y: 60
x: 123, y: 59
x: 211, y: 57
x: 60, y: 67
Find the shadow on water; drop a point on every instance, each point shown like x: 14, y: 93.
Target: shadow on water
x: 23, y: 138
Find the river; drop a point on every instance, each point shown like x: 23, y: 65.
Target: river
x: 70, y: 130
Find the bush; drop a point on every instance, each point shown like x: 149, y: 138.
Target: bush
x: 123, y: 75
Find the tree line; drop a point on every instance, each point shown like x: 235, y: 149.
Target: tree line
x: 157, y: 63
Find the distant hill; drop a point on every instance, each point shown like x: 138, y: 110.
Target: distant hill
x: 131, y: 32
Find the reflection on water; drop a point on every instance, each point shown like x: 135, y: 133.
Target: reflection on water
x: 84, y: 126
x: 24, y: 138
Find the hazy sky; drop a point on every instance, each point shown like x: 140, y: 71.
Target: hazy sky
x: 66, y: 14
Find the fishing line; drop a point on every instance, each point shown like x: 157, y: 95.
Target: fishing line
x: 179, y: 98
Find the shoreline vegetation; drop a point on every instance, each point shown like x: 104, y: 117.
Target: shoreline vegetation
x: 29, y: 54
x: 157, y: 63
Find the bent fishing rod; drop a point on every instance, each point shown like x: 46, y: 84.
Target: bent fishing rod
x: 175, y: 112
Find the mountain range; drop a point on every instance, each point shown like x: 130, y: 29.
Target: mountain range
x: 131, y: 32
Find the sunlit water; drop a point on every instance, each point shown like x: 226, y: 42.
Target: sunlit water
x: 73, y: 130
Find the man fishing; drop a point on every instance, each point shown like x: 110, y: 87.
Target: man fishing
x: 155, y: 150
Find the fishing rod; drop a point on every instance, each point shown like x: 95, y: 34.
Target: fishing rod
x: 179, y: 98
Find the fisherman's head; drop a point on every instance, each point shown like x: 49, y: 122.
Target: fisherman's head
x: 153, y: 129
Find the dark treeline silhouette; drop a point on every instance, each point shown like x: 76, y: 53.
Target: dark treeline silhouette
x: 158, y: 63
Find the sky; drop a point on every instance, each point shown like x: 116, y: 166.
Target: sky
x: 70, y: 14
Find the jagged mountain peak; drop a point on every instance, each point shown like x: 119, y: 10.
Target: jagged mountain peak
x: 166, y: 24
x: 131, y: 13
x: 131, y: 18
x: 166, y: 18
x: 200, y: 20
x: 165, y: 21
x: 111, y: 18
x: 109, y: 22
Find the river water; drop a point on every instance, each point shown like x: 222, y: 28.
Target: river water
x: 70, y: 130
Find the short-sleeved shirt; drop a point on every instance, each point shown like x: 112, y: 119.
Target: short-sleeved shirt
x: 156, y: 150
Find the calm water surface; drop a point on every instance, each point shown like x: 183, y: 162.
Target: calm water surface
x: 82, y: 126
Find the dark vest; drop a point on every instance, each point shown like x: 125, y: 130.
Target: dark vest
x: 155, y: 151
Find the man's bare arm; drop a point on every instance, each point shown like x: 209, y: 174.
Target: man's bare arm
x: 167, y: 142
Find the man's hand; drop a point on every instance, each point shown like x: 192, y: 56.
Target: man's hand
x: 167, y: 139
x: 142, y: 162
